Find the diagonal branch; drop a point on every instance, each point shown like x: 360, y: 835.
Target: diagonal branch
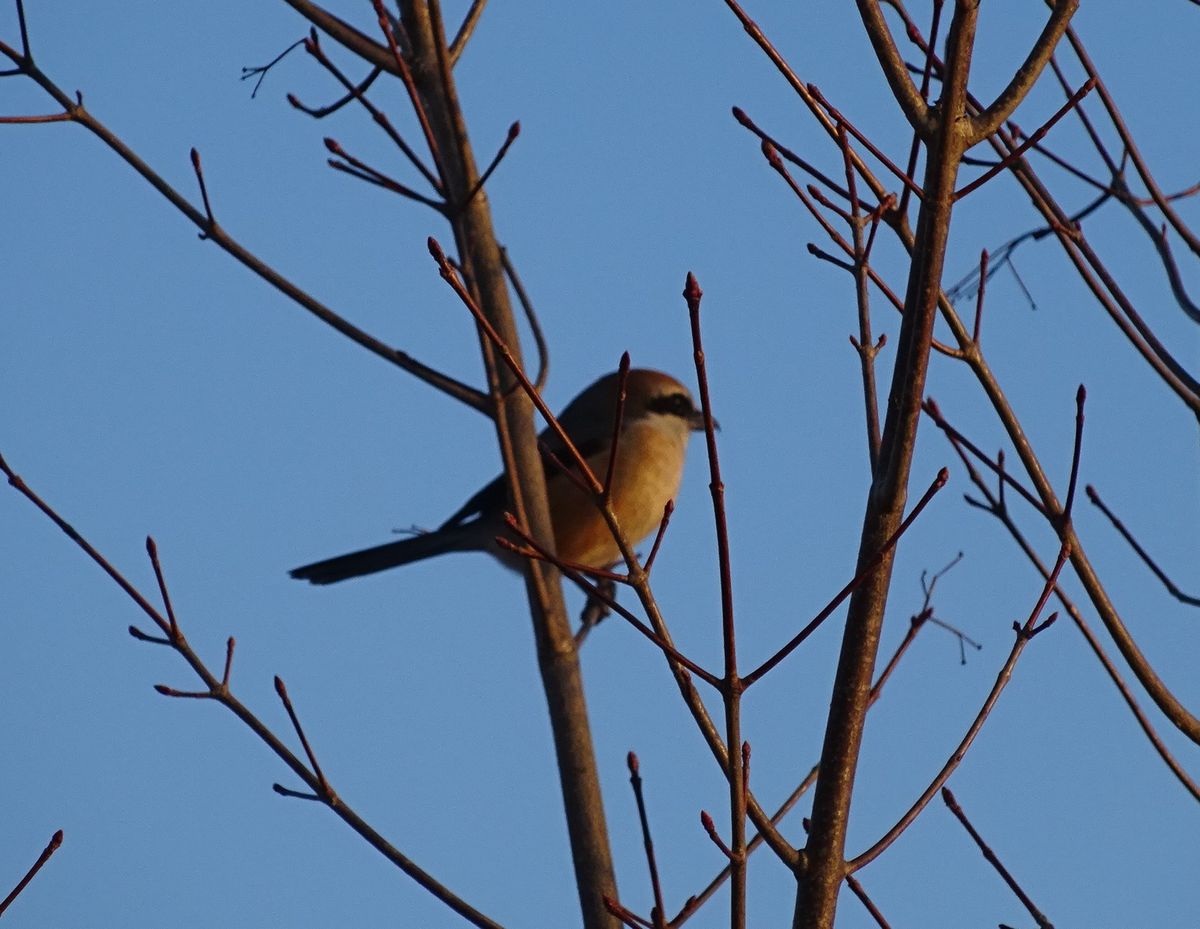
x: 993, y: 116
x: 1025, y: 633
x: 218, y: 690
x: 1038, y: 916
x: 51, y: 847
x: 912, y: 104
x: 216, y: 233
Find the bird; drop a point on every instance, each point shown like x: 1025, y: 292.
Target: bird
x: 657, y: 419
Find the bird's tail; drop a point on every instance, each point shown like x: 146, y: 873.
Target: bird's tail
x: 390, y: 555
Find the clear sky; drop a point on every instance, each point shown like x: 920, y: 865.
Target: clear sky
x: 151, y: 385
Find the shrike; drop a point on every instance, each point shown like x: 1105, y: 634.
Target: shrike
x: 659, y: 415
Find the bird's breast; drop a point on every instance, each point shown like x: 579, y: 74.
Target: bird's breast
x: 647, y: 474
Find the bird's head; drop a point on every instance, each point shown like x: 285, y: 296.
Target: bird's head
x: 654, y: 394
x: 651, y: 397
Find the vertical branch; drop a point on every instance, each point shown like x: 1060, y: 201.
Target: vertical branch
x: 821, y: 879
x: 865, y: 344
x: 731, y: 685
x: 483, y: 267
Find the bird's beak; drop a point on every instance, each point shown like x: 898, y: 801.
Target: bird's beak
x: 696, y: 422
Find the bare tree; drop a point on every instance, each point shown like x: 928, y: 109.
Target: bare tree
x: 866, y: 193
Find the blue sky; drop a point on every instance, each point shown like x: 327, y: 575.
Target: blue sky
x: 151, y: 385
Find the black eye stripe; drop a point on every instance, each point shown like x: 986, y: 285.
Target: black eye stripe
x: 677, y: 404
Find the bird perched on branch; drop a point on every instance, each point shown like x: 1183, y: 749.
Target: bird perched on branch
x: 657, y: 419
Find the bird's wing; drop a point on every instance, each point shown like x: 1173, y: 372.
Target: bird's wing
x: 492, y: 498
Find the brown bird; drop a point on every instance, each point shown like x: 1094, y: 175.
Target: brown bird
x: 658, y: 417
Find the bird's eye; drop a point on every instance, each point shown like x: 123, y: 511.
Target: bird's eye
x: 678, y: 404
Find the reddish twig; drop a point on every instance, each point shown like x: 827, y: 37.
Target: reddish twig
x: 326, y: 791
x: 208, y: 213
x: 864, y: 344
x: 261, y: 70
x: 364, y: 172
x: 459, y: 44
x: 856, y: 888
x: 229, y: 644
x: 996, y: 508
x: 535, y: 326
x: 926, y: 72
x: 840, y: 119
x: 313, y: 47
x: 513, y: 131
x: 932, y: 410
x: 63, y: 117
x: 296, y: 794
x: 711, y: 828
x: 50, y: 849
x: 668, y: 509
x: 938, y: 483
x: 531, y: 549
x: 1141, y: 552
x: 774, y: 152
x: 628, y: 917
x: 618, y: 423
x: 732, y: 687
x: 578, y: 574
x: 450, y: 276
x: 995, y: 862
x: 1077, y: 450
x: 1009, y: 159
x: 354, y: 93
x: 167, y: 691
x: 406, y: 78
x: 1130, y: 146
x: 693, y: 903
x: 1025, y: 633
x: 152, y: 551
x: 983, y: 276
x: 657, y: 914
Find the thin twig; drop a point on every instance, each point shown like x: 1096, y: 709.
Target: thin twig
x: 983, y: 276
x: 668, y: 509
x: 513, y: 131
x: 732, y: 687
x: 535, y: 326
x: 216, y: 234
x: 354, y: 93
x: 1076, y: 453
x: 856, y: 888
x: 1029, y: 142
x: 463, y: 36
x: 50, y: 849
x: 995, y: 506
x: 865, y: 343
x: 208, y: 213
x: 1150, y: 563
x: 281, y: 690
x: 995, y: 862
x: 261, y: 70
x: 694, y: 902
x: 576, y: 574
x: 406, y: 78
x: 938, y: 483
x: 313, y: 47
x: 225, y: 697
x: 152, y: 551
x: 618, y: 423
x: 451, y: 277
x: 1025, y: 633
x: 628, y: 917
x: 364, y: 171
x: 657, y: 915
